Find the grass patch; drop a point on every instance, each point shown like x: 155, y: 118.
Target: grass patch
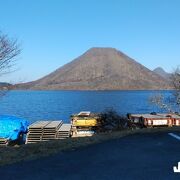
x: 9, y: 155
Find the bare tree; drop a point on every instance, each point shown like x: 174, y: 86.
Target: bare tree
x: 172, y: 102
x: 176, y: 85
x: 162, y: 102
x: 9, y: 50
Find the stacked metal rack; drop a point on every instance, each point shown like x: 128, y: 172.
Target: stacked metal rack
x: 64, y: 131
x: 47, y: 130
x: 3, y: 142
x: 36, y: 131
x: 50, y: 130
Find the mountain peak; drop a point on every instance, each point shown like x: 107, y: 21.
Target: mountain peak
x: 159, y: 69
x: 101, y: 50
x: 161, y: 72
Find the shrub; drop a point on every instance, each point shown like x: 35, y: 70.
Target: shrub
x: 111, y: 120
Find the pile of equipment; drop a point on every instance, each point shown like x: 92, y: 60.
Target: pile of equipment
x: 84, y: 124
x: 12, y: 129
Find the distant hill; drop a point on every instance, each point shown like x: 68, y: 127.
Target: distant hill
x: 100, y: 69
x: 160, y: 71
x: 4, y: 85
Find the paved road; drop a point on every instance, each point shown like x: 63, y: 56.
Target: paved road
x: 134, y: 157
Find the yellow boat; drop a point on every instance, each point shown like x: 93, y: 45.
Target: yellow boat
x: 84, y: 119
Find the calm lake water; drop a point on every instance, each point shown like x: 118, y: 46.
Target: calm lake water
x: 56, y: 105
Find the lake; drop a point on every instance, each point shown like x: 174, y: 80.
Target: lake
x: 56, y: 105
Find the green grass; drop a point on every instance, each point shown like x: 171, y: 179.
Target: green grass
x: 14, y: 154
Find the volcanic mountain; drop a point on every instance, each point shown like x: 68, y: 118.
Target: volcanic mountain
x: 100, y: 69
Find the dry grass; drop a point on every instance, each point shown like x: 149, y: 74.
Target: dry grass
x: 10, y: 155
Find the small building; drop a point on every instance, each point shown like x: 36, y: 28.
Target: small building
x: 153, y: 120
x: 175, y: 119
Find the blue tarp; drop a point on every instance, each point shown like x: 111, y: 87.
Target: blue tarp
x: 11, y: 127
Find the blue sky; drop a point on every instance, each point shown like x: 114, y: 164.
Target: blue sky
x: 54, y: 32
